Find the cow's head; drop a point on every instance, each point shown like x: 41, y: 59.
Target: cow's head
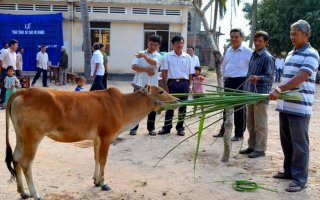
x: 158, y: 96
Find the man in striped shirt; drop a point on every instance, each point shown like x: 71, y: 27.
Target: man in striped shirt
x: 299, y: 75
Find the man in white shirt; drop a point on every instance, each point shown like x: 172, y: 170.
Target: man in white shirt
x: 97, y: 68
x: 4, y: 47
x: 279, y: 67
x: 146, y: 64
x: 8, y: 57
x: 194, y: 59
x: 177, y: 74
x: 42, y: 66
x: 19, y: 62
x: 234, y: 70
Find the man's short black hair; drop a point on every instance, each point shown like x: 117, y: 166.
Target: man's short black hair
x: 43, y: 46
x: 237, y: 30
x: 177, y: 38
x: 12, y: 42
x: 96, y: 46
x: 20, y: 48
x: 155, y: 38
x: 191, y: 47
x: 263, y: 34
x: 101, y: 45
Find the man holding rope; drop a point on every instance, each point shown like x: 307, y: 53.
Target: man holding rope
x: 260, y: 78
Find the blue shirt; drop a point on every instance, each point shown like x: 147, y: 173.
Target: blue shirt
x: 261, y: 64
x: 305, y: 59
x: 78, y: 89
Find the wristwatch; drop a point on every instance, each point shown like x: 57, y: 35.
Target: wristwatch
x: 278, y: 90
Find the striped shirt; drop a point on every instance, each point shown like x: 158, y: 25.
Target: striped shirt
x: 142, y: 78
x: 261, y: 64
x: 305, y: 59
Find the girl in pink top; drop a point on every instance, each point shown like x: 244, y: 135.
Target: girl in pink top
x: 197, y: 82
x: 197, y: 86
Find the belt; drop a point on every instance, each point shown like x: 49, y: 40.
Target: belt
x: 178, y: 79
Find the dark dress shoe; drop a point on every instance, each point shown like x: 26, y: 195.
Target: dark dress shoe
x: 246, y: 151
x: 133, y: 132
x: 282, y: 175
x: 181, y: 133
x: 256, y: 154
x: 236, y: 139
x: 163, y: 132
x: 218, y: 135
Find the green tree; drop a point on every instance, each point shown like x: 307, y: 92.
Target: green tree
x: 276, y: 16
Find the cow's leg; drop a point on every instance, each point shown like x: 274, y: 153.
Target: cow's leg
x: 27, y: 156
x: 103, y: 155
x: 97, y: 164
x: 17, y: 168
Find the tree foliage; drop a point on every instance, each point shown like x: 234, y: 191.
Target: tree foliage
x: 276, y: 16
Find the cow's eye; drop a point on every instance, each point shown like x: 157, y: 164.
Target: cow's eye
x: 161, y: 92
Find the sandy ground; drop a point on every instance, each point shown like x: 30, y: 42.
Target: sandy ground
x: 64, y: 171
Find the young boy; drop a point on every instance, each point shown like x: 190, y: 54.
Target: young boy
x: 10, y: 83
x: 81, y: 81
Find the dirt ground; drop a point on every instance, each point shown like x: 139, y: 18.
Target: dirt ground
x: 64, y: 171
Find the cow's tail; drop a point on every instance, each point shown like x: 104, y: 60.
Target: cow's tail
x: 9, y: 155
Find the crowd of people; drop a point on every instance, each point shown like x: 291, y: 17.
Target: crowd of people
x: 242, y: 69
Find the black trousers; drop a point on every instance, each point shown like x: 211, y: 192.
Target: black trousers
x: 240, y: 114
x: 3, y: 89
x: 104, y: 80
x: 295, y: 146
x: 151, y: 118
x: 44, y: 76
x: 176, y: 86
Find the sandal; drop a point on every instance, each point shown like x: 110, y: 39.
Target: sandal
x: 293, y: 187
x: 282, y: 175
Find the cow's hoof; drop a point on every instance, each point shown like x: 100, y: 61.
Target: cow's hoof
x: 24, y: 196
x: 97, y: 184
x: 105, y: 187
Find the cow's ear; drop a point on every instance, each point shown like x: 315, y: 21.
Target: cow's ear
x: 147, y: 89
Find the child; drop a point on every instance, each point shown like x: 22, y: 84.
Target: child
x: 81, y: 81
x: 10, y: 83
x: 197, y: 85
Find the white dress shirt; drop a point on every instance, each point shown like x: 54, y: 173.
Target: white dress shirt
x: 8, y: 58
x: 279, y: 63
x: 43, y: 60
x: 179, y: 67
x: 142, y: 78
x: 97, y: 57
x: 236, y: 62
x: 19, y: 61
x: 195, y: 61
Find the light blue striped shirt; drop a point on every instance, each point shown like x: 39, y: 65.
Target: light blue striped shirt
x: 306, y: 59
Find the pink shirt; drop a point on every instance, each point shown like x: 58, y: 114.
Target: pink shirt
x: 197, y: 84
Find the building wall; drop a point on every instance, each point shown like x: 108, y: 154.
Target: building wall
x: 126, y: 29
x: 126, y: 39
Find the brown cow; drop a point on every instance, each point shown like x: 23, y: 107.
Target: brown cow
x: 70, y: 117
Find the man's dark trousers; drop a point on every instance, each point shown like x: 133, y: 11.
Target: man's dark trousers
x: 3, y: 89
x: 240, y: 112
x: 295, y: 146
x: 176, y: 86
